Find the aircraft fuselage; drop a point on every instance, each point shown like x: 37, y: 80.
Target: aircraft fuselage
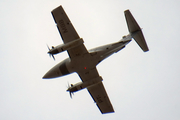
x: 86, y: 61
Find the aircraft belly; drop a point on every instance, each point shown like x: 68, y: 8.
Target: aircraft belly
x: 83, y: 63
x: 64, y: 69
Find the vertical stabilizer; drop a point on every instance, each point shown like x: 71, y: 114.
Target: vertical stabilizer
x: 135, y: 31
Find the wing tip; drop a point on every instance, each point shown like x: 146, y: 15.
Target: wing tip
x: 108, y: 112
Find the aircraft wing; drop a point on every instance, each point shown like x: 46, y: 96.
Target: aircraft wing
x: 97, y: 92
x: 67, y: 31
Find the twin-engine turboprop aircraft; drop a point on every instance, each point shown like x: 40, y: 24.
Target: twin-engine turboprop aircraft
x: 83, y: 61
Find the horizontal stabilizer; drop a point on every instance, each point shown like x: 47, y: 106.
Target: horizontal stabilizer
x: 135, y: 31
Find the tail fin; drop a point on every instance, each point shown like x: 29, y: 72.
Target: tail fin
x: 135, y: 31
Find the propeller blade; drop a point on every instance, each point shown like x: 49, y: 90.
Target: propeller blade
x: 50, y: 53
x: 70, y: 93
x: 48, y: 47
x: 53, y: 56
x: 68, y: 85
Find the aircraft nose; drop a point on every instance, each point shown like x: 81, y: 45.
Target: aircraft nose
x: 52, y: 73
x: 47, y: 75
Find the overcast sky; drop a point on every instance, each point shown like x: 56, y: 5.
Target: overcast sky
x: 141, y: 86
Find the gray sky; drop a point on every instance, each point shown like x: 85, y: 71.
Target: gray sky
x: 141, y: 86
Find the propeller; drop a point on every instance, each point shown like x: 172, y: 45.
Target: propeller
x: 70, y: 93
x: 50, y: 54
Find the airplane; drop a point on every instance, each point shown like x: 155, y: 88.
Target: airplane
x: 84, y: 62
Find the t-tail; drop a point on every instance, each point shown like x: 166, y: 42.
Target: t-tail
x: 135, y: 31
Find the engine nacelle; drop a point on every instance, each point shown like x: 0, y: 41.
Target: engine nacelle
x: 67, y: 46
x: 82, y: 85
